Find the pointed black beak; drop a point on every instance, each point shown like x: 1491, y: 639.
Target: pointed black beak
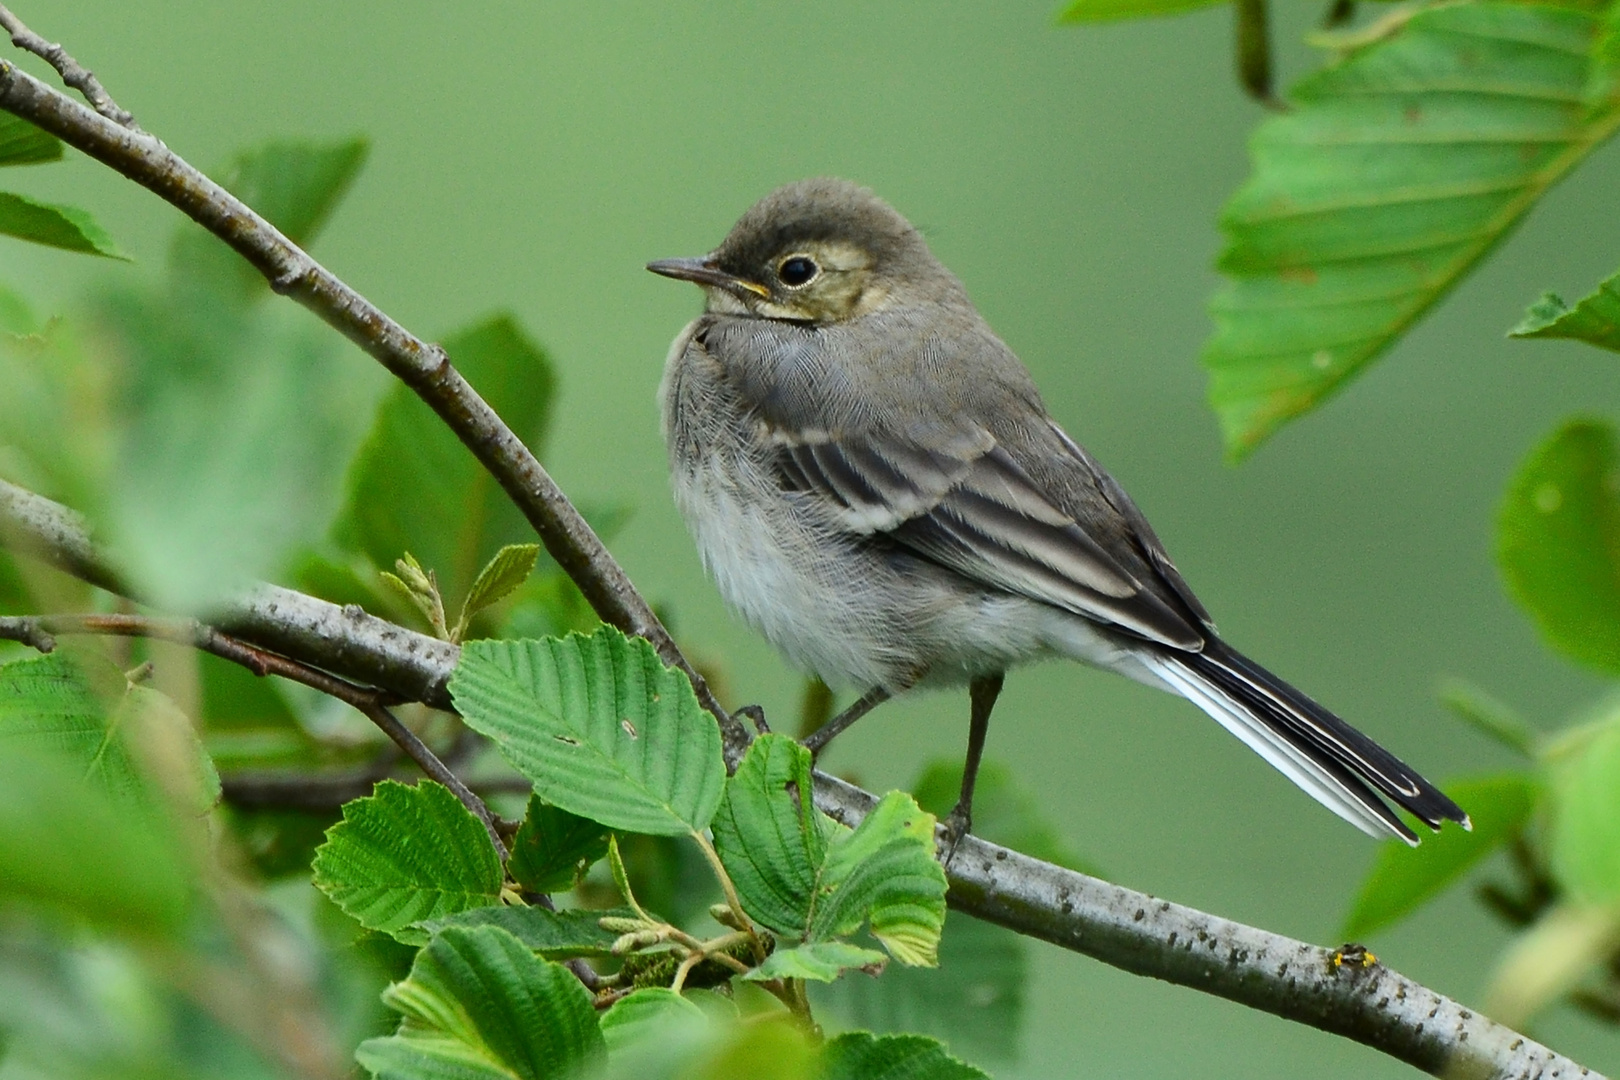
x: 704, y: 272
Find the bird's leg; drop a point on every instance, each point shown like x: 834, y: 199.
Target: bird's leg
x: 982, y: 694
x: 824, y: 734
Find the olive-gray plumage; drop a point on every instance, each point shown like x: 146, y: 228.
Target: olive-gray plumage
x: 874, y: 482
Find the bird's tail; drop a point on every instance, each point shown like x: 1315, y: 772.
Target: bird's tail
x: 1336, y: 764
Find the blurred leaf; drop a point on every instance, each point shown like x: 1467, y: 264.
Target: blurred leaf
x: 414, y: 486
x: 65, y: 227
x: 21, y: 143
x: 821, y: 961
x: 555, y: 935
x: 405, y: 854
x: 1089, y: 11
x: 859, y: 1055
x: 1585, y: 842
x: 296, y: 186
x: 651, y: 1014
x: 1595, y: 319
x: 69, y: 848
x: 1003, y: 812
x: 1401, y: 881
x: 499, y: 578
x: 479, y: 1004
x: 769, y: 835
x: 1558, y: 542
x: 600, y: 725
x: 1398, y: 169
x: 885, y: 873
x: 974, y: 1000
x: 16, y: 317
x: 1484, y: 713
x: 553, y: 848
x: 1549, y: 959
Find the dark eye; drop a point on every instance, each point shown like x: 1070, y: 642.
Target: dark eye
x: 797, y: 270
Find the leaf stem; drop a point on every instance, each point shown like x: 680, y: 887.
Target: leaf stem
x: 733, y: 901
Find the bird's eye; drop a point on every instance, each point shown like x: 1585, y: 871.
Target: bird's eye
x: 797, y: 270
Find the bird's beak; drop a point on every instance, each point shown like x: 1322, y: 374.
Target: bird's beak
x: 704, y: 272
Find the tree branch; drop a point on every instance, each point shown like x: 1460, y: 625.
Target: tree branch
x: 1127, y: 929
x: 73, y: 73
x: 423, y: 367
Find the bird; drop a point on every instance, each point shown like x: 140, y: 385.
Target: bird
x: 875, y: 484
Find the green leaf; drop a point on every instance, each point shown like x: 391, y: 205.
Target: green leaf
x: 1402, y: 881
x: 21, y: 143
x: 554, y: 848
x: 70, y: 848
x: 479, y: 1004
x: 414, y: 486
x: 652, y: 1014
x: 1396, y: 171
x: 1558, y: 542
x: 600, y: 725
x: 499, y: 578
x: 1595, y: 319
x: 859, y: 1055
x: 1003, y: 812
x: 65, y: 227
x: 405, y: 854
x: 821, y: 961
x: 1585, y: 843
x: 769, y: 835
x: 555, y: 935
x: 885, y: 873
x: 16, y: 316
x: 1483, y: 712
x: 974, y: 1000
x: 296, y: 186
x: 1090, y: 11
x: 1550, y: 959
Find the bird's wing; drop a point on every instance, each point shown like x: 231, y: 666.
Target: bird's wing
x: 964, y: 502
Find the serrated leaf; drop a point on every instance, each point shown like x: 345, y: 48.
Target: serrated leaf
x: 1090, y: 11
x: 21, y: 143
x: 860, y: 1055
x: 974, y: 1000
x: 885, y: 874
x: 406, y: 854
x: 1585, y: 842
x: 1396, y: 171
x: 1558, y: 542
x: 1402, y: 881
x: 600, y: 725
x: 1003, y: 812
x: 414, y: 486
x: 822, y: 961
x: 479, y: 1004
x: 499, y: 578
x: 770, y: 837
x: 553, y: 848
x: 1595, y: 319
x: 555, y: 935
x: 65, y: 227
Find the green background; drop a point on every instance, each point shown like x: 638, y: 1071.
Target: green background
x: 534, y: 156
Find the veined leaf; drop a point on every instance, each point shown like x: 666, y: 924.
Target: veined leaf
x: 499, y: 578
x: 555, y: 935
x: 1595, y: 319
x: 405, y: 854
x: 1586, y: 826
x: 478, y: 1004
x: 600, y: 725
x: 1558, y: 542
x: 21, y: 143
x: 553, y: 848
x: 821, y: 961
x: 65, y: 227
x: 1396, y: 171
x: 884, y: 873
x: 1089, y: 11
x: 1401, y: 881
x: 860, y: 1055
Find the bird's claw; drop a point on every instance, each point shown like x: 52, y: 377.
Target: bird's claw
x: 756, y: 713
x: 957, y: 824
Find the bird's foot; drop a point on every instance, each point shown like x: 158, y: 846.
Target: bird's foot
x: 756, y: 713
x: 957, y: 824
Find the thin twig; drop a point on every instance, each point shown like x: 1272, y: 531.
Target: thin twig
x: 424, y: 367
x: 38, y: 631
x: 73, y: 73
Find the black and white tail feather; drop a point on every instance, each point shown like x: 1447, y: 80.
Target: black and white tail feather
x: 1330, y: 760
